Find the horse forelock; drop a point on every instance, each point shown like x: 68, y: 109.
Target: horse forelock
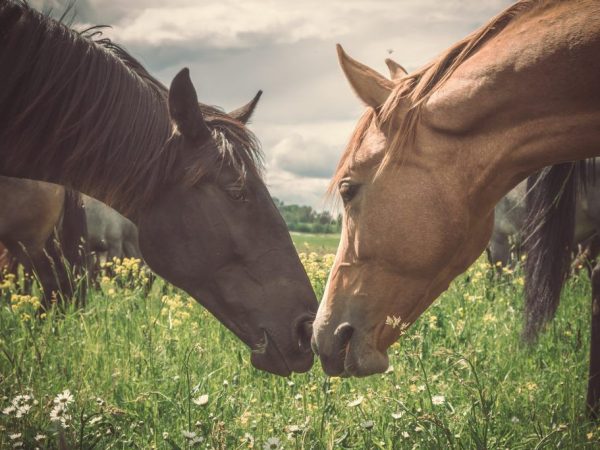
x: 416, y: 88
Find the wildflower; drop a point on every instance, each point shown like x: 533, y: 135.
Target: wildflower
x: 248, y: 439
x: 531, y: 386
x: 9, y: 410
x: 514, y: 419
x: 405, y: 434
x: 95, y: 420
x: 202, y: 400
x: 489, y: 318
x: 40, y: 437
x: 59, y: 414
x: 189, y: 435
x: 298, y: 397
x: 293, y: 429
x: 21, y: 400
x: 22, y: 411
x: 356, y: 402
x: 438, y: 399
x: 272, y: 444
x: 64, y: 398
x: 367, y: 424
x: 397, y: 415
x: 15, y: 436
x: 18, y: 444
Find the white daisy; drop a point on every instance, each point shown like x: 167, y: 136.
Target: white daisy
x: 64, y: 398
x: 272, y: 444
x: 201, y: 401
x: 438, y: 399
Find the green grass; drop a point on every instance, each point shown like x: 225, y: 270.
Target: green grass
x: 318, y: 243
x: 461, y: 378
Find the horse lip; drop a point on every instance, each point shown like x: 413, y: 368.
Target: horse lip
x: 262, y: 349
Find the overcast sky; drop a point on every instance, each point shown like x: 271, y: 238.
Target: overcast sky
x: 286, y: 48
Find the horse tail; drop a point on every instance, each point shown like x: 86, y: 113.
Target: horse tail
x: 549, y: 233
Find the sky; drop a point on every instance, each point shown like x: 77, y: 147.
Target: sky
x: 286, y: 48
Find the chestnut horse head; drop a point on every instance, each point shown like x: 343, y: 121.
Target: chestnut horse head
x: 434, y: 152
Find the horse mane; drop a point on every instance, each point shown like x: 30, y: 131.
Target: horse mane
x: 419, y: 86
x: 72, y: 101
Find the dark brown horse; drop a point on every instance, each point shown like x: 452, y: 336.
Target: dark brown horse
x: 44, y: 228
x: 79, y: 111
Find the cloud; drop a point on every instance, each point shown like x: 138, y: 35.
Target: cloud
x: 286, y: 48
x: 305, y: 157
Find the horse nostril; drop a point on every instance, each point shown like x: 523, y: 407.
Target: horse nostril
x: 304, y: 335
x: 343, y: 333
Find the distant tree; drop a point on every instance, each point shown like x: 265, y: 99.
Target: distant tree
x: 305, y: 219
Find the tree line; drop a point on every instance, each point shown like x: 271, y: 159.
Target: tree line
x: 305, y: 219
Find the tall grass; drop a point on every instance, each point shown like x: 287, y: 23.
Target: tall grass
x: 157, y: 371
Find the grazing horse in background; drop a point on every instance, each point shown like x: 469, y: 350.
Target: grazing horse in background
x: 43, y: 226
x: 510, y: 217
x: 77, y: 110
x: 110, y: 235
x: 552, y: 205
x: 33, y: 211
x: 433, y: 154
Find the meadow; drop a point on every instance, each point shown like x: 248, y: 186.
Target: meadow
x: 137, y: 370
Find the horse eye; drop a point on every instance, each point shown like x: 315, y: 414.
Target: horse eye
x: 348, y: 190
x: 237, y: 194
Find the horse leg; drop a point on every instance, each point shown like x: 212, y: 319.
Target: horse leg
x: 593, y: 394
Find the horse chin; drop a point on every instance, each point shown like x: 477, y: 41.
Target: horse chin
x: 362, y: 361
x: 357, y: 358
x: 268, y: 357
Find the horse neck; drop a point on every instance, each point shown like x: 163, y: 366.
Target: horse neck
x: 529, y: 98
x: 80, y: 114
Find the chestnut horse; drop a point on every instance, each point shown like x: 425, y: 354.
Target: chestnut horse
x: 77, y: 110
x: 432, y: 155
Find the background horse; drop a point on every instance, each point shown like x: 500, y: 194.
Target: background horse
x: 43, y: 226
x: 187, y: 175
x: 110, y: 235
x: 433, y: 154
x: 510, y: 217
x: 34, y: 211
x: 552, y: 204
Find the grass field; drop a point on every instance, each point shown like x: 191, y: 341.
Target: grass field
x: 159, y: 372
x: 319, y: 243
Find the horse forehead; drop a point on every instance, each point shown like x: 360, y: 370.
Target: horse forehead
x: 371, y: 151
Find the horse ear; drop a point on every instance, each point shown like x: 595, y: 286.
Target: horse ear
x: 370, y: 86
x: 184, y: 109
x: 396, y: 70
x: 244, y: 113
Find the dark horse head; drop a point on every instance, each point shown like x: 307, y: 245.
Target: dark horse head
x: 78, y: 110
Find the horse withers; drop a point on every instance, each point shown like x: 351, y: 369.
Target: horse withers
x: 187, y: 175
